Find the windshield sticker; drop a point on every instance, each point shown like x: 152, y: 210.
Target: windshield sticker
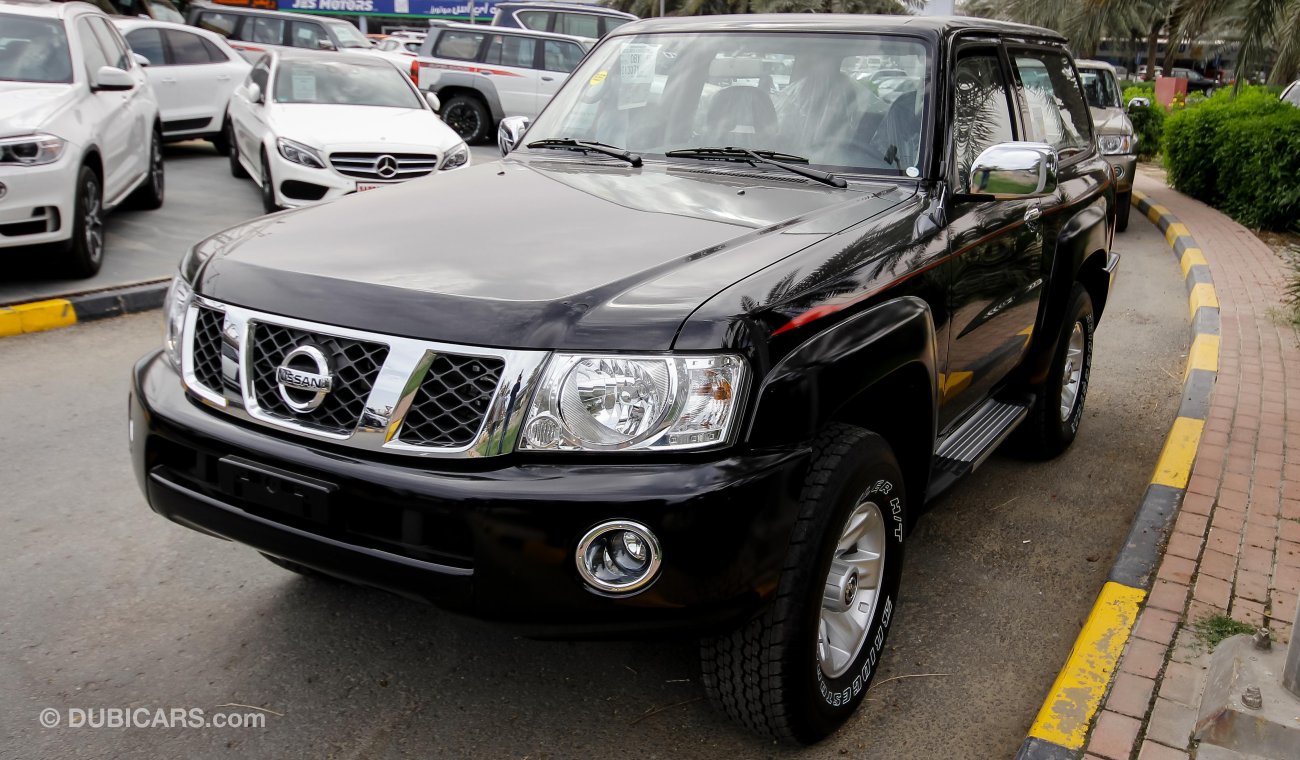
x: 637, y: 72
x: 912, y: 172
x: 598, y: 78
x: 304, y: 87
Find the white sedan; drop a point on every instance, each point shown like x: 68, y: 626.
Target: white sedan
x: 310, y: 127
x: 193, y: 71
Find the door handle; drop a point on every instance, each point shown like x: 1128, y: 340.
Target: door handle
x: 548, y: 79
x: 168, y: 80
x: 223, y: 77
x: 486, y: 73
x: 1033, y: 214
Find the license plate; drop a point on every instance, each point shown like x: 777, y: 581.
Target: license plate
x: 362, y: 187
x: 275, y: 489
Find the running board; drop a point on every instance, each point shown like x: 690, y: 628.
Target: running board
x: 966, y: 448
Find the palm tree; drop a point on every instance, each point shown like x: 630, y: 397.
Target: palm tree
x: 647, y: 8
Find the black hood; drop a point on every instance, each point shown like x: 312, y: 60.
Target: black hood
x: 537, y: 254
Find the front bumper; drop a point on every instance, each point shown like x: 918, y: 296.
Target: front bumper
x: 297, y: 185
x: 1125, y: 165
x: 37, y: 204
x: 491, y: 539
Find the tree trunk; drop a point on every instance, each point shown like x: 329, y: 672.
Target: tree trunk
x: 1171, y: 52
x: 1153, y: 43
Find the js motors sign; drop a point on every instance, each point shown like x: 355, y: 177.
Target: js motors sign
x: 424, y: 8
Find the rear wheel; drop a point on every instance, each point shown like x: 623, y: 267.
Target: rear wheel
x: 1123, y: 203
x: 83, y: 254
x: 149, y: 195
x: 236, y: 168
x: 1054, y: 419
x: 221, y: 140
x: 468, y: 116
x: 802, y: 666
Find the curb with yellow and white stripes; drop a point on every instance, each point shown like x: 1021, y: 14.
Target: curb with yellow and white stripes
x: 53, y: 313
x: 1061, y: 729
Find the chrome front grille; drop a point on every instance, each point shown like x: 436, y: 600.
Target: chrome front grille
x: 384, y: 167
x: 385, y: 393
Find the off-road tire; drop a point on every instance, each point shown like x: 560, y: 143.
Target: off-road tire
x: 1044, y: 434
x: 1123, y: 204
x: 765, y: 675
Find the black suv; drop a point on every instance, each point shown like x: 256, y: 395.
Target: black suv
x: 693, y: 356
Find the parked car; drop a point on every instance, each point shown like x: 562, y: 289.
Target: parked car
x: 576, y: 19
x: 310, y: 127
x: 677, y: 364
x: 161, y: 10
x: 253, y: 32
x: 405, y: 44
x: 1116, y: 137
x: 79, y: 131
x: 1292, y: 94
x: 1196, y: 81
x: 192, y: 71
x: 484, y: 74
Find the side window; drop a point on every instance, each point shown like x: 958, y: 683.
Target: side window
x: 512, y: 50
x: 560, y: 56
x: 612, y: 23
x: 462, y: 46
x: 215, y: 54
x: 1055, y: 111
x: 221, y: 23
x: 187, y: 49
x: 119, y: 54
x: 92, y: 52
x: 268, y: 31
x: 261, y: 75
x: 535, y: 20
x: 306, y: 34
x: 981, y: 111
x: 148, y: 43
x: 578, y: 24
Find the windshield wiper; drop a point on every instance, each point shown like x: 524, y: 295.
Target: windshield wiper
x: 568, y: 143
x: 775, y: 158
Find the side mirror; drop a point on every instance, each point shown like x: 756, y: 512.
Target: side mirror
x: 510, y: 132
x: 1136, y: 103
x: 254, y: 93
x: 140, y: 59
x: 324, y: 44
x: 111, y: 79
x: 1014, y: 170
x: 434, y: 103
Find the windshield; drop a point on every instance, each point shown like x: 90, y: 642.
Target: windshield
x: 343, y: 83
x: 33, y: 50
x: 812, y: 96
x: 1099, y: 88
x: 348, y: 35
x: 163, y: 10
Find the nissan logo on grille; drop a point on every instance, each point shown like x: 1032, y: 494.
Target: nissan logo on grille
x: 386, y: 166
x: 304, y: 378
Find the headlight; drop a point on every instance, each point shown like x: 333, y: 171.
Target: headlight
x: 31, y: 150
x: 617, y: 403
x: 1112, y: 145
x: 456, y: 157
x: 300, y: 154
x: 175, y: 306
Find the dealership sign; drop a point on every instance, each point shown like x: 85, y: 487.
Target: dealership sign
x: 426, y: 8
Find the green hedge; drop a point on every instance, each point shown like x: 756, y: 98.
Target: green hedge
x: 1240, y: 155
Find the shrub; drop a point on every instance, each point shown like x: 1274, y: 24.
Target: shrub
x: 1148, y: 125
x: 1241, y: 155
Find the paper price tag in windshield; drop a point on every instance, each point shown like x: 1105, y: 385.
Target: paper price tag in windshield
x: 304, y: 87
x: 637, y: 71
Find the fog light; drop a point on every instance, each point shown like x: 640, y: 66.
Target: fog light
x: 1119, y: 172
x: 618, y: 557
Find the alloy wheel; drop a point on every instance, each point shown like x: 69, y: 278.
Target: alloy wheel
x: 463, y: 119
x: 852, y: 589
x: 1073, y: 374
x: 93, y: 221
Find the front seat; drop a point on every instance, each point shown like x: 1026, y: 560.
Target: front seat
x: 741, y: 117
x: 899, y: 136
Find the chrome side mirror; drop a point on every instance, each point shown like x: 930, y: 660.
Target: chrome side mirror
x: 434, y: 103
x: 324, y: 44
x: 510, y: 132
x: 1138, y: 103
x: 1014, y: 170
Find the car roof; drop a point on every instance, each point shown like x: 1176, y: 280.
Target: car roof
x: 301, y: 54
x: 584, y: 41
x: 1087, y: 63
x: 932, y: 27
x: 46, y: 9
x: 578, y: 7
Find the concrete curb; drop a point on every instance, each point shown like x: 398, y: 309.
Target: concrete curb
x: 1061, y: 728
x: 54, y: 313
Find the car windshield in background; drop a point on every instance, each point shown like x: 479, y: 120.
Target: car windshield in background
x: 343, y: 83
x: 1100, y: 89
x: 33, y: 50
x: 843, y: 102
x: 349, y: 36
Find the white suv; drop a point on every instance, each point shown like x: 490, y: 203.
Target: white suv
x: 79, y: 130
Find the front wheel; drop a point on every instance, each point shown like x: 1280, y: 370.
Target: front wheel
x: 1123, y: 203
x: 800, y: 668
x: 83, y: 254
x: 236, y: 168
x: 149, y: 195
x: 268, y: 188
x: 1054, y: 419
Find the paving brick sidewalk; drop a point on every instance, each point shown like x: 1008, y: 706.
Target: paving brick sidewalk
x: 1235, y: 545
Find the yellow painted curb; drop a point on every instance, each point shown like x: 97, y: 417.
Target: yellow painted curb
x: 1204, y: 354
x: 1202, y: 295
x: 1175, y: 465
x: 1191, y: 257
x: 1138, y: 195
x: 1076, y: 695
x: 1155, y: 212
x: 1175, y: 231
x: 36, y: 316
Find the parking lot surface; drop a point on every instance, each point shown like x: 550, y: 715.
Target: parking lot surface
x: 109, y: 606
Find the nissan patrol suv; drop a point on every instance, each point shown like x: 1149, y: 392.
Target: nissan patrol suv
x: 692, y: 357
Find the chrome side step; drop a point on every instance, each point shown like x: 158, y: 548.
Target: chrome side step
x: 966, y: 448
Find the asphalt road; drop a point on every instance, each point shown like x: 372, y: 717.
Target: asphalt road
x: 107, y: 605
x: 202, y: 198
